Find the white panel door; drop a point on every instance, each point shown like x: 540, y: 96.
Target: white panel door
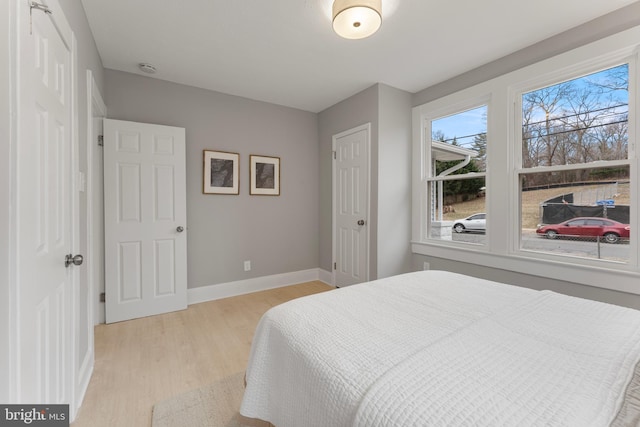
x: 351, y: 206
x: 44, y: 210
x: 145, y: 219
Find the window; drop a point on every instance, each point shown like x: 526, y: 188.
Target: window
x: 455, y: 184
x: 552, y: 165
x: 575, y: 137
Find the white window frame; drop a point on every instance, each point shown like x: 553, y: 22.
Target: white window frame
x: 577, y: 71
x: 504, y: 164
x: 434, y: 111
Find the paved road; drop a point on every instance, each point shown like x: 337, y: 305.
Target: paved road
x: 563, y: 246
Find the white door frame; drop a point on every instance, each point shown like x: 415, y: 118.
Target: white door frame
x: 334, y: 251
x: 12, y: 356
x: 96, y: 108
x: 75, y: 219
x: 83, y: 364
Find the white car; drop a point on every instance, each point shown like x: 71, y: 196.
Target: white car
x: 475, y: 222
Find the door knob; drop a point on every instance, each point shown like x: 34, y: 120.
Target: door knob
x: 361, y: 222
x: 75, y: 260
x: 180, y: 229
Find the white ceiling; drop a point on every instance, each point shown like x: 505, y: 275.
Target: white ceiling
x: 285, y: 51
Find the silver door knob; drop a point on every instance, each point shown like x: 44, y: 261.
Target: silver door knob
x: 180, y: 229
x: 71, y: 259
x: 361, y: 222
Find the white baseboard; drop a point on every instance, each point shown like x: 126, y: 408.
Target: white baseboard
x: 82, y: 390
x: 326, y: 276
x: 241, y: 287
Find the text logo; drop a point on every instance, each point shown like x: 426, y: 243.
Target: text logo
x: 34, y: 415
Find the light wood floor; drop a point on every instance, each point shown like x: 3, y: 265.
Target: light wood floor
x: 143, y: 361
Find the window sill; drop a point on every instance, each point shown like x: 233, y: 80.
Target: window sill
x: 611, y: 276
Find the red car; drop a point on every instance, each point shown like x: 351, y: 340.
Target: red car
x: 612, y: 231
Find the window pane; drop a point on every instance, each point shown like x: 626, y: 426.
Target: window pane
x: 458, y: 135
x: 549, y: 212
x: 458, y: 148
x: 577, y: 121
x: 457, y: 210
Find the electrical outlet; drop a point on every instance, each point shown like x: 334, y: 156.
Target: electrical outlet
x: 247, y: 266
x: 426, y: 266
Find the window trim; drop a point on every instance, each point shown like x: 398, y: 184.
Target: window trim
x: 593, y: 65
x: 504, y: 158
x: 465, y: 103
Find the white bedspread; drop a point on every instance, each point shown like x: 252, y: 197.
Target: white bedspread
x: 439, y: 349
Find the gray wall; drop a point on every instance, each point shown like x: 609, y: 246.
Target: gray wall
x: 88, y: 57
x: 612, y: 23
x: 278, y: 234
x: 528, y: 281
x: 389, y: 112
x: 394, y: 182
x: 598, y: 28
x: 355, y: 111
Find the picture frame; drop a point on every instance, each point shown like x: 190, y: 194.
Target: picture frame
x: 221, y: 172
x: 264, y: 175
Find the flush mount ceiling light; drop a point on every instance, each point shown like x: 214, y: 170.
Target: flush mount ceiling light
x: 356, y: 19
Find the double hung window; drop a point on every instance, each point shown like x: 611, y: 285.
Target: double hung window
x: 537, y: 171
x: 456, y: 165
x: 575, y: 164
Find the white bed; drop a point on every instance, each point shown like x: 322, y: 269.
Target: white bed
x: 440, y: 349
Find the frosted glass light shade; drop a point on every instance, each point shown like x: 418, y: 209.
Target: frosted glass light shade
x: 356, y: 19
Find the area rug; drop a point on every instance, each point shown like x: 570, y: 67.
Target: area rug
x: 215, y: 405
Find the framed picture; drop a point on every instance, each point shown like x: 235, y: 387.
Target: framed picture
x: 221, y: 172
x: 265, y: 175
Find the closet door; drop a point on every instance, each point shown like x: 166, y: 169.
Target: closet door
x: 351, y: 166
x: 145, y: 220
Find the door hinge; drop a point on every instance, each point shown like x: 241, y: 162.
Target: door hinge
x: 100, y: 140
x: 335, y: 265
x: 103, y: 297
x: 334, y: 155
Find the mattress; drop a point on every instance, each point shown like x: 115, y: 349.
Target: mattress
x: 437, y: 348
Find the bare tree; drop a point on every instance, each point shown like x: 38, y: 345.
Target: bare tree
x: 612, y: 139
x: 547, y: 101
x: 617, y: 79
x: 530, y: 144
x: 576, y: 122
